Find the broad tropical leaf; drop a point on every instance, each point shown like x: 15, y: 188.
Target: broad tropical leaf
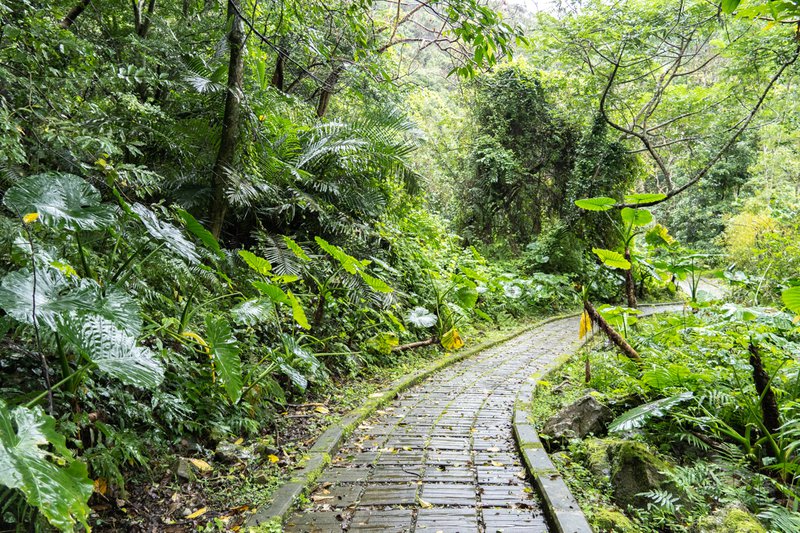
x: 259, y: 264
x: 166, y: 233
x: 113, y: 351
x: 274, y: 292
x: 729, y: 6
x: 224, y: 349
x: 295, y: 248
x: 452, y: 340
x: 636, y: 217
x: 585, y: 325
x: 612, y: 258
x: 466, y: 297
x: 53, y: 481
x: 61, y: 201
x: 200, y: 232
x: 17, y: 296
x: 658, y: 235
x: 374, y: 283
x: 298, y: 313
x: 601, y: 203
x: 255, y: 311
x: 638, y: 416
x: 348, y: 262
x: 421, y: 317
x: 791, y: 299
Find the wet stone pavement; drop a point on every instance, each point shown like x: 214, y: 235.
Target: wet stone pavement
x: 442, y: 457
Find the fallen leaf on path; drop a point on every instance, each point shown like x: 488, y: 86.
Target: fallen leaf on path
x: 201, y: 465
x: 197, y: 513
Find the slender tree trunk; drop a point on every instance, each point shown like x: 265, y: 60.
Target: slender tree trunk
x: 73, y: 14
x: 630, y: 285
x: 769, y: 406
x: 142, y: 16
x: 327, y: 90
x: 611, y: 333
x: 230, y: 121
x: 277, y: 76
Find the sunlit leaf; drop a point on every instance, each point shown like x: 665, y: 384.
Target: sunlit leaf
x: 612, y: 258
x: 636, y: 217
x: 638, y: 416
x: 259, y: 264
x: 452, y: 340
x: 602, y: 203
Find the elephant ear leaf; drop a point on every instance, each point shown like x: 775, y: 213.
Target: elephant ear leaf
x: 166, y: 233
x: 612, y: 259
x: 60, y: 201
x: 601, y: 203
x: 636, y: 217
x: 791, y: 299
x: 638, y: 416
x: 114, y: 351
x: 224, y: 348
x: 53, y: 481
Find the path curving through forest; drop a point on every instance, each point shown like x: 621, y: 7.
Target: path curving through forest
x: 441, y: 457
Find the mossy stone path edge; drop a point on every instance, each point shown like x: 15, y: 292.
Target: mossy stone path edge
x: 560, y: 505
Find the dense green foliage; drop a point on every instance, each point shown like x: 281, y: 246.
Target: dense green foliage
x: 214, y: 209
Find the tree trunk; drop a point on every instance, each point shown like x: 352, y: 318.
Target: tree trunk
x: 277, y: 76
x: 142, y: 17
x: 230, y: 121
x: 73, y: 14
x: 327, y: 90
x: 630, y: 285
x: 611, y: 333
x: 769, y: 406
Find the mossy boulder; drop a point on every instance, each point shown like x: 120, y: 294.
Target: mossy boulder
x: 635, y: 469
x: 610, y: 520
x: 580, y: 418
x: 733, y: 519
x: 596, y: 454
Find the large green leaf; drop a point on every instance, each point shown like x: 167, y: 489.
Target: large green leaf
x: 466, y: 297
x: 601, y: 203
x: 52, y: 296
x: 224, y: 349
x: 348, y: 262
x: 612, y: 258
x: 254, y: 311
x: 658, y: 235
x: 297, y: 311
x: 274, y: 292
x: 61, y: 200
x: 636, y: 417
x: 113, y: 351
x: 259, y: 264
x: 729, y: 6
x: 197, y: 229
x: 295, y: 248
x: 52, y: 481
x: 374, y: 283
x: 636, y: 217
x: 166, y: 233
x: 421, y: 317
x: 791, y: 299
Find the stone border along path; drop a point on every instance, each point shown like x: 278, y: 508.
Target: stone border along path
x: 442, y: 456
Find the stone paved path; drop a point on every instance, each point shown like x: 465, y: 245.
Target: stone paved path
x: 441, y: 457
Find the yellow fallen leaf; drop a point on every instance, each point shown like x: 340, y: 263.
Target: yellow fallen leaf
x: 585, y: 325
x: 198, y: 513
x: 273, y: 458
x: 30, y: 217
x: 100, y: 486
x: 494, y: 449
x: 238, y: 441
x: 497, y: 463
x: 424, y: 504
x: 201, y: 465
x: 322, y: 409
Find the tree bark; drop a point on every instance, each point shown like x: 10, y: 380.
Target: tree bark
x: 230, y: 121
x: 142, y: 17
x: 630, y: 285
x: 277, y: 76
x: 611, y: 333
x: 327, y: 90
x: 73, y: 14
x: 769, y: 406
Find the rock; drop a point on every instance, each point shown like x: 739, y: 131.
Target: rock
x: 732, y: 519
x: 596, y: 456
x: 183, y: 469
x: 585, y: 415
x: 231, y: 453
x: 609, y: 520
x: 635, y: 469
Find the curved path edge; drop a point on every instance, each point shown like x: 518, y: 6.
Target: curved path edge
x: 559, y: 504
x: 319, y: 455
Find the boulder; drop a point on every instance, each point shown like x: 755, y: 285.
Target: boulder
x: 583, y: 416
x: 731, y: 519
x: 635, y: 469
x: 229, y: 453
x: 183, y: 469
